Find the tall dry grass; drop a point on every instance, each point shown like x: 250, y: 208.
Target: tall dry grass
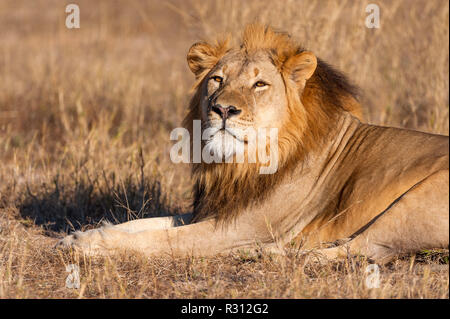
x: 85, y: 117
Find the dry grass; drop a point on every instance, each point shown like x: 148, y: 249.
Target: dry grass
x: 85, y: 117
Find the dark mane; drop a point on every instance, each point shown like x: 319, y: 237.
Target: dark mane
x: 334, y: 83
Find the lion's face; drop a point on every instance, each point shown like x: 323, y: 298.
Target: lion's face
x: 243, y: 93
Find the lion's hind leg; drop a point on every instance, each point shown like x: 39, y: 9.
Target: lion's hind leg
x: 418, y: 220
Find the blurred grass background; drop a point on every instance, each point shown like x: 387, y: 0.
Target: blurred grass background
x: 85, y: 114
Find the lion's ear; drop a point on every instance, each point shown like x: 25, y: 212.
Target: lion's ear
x: 201, y: 56
x: 299, y: 68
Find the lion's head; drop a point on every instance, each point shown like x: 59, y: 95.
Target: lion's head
x: 265, y: 81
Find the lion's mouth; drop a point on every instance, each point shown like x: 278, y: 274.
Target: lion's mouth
x: 232, y: 133
x: 225, y: 129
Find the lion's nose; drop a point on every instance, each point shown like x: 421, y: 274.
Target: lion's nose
x: 225, y: 112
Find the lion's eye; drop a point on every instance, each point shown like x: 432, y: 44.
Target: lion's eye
x: 218, y: 79
x: 260, y: 84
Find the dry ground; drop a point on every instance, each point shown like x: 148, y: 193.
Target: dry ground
x: 85, y: 117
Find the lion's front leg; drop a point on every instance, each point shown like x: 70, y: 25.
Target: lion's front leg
x: 138, y: 225
x: 94, y: 242
x: 103, y: 239
x: 199, y: 239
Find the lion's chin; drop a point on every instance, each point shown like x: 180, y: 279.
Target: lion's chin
x: 222, y: 146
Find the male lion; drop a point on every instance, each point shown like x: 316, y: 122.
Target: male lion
x: 378, y: 191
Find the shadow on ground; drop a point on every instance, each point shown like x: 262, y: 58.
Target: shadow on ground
x: 67, y: 205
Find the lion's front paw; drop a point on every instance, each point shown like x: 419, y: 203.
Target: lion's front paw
x: 91, y: 242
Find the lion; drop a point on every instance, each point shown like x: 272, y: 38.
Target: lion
x: 342, y: 186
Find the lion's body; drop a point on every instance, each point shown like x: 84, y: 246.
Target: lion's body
x: 383, y: 190
x: 372, y: 171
